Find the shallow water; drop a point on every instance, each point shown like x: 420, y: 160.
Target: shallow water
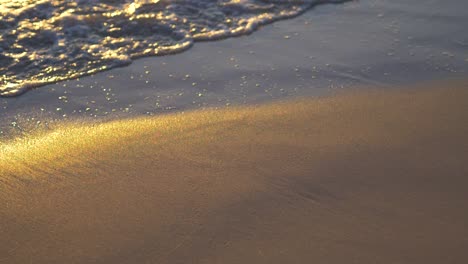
x: 48, y: 41
x: 373, y: 43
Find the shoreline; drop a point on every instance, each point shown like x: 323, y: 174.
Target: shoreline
x: 26, y: 85
x: 372, y: 176
x: 327, y: 49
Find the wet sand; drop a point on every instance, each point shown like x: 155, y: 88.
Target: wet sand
x: 363, y: 177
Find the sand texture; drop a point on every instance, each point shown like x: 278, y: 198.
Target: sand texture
x: 365, y: 177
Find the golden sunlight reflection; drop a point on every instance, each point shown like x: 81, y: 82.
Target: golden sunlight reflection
x: 312, y: 124
x: 51, y: 41
x: 351, y: 168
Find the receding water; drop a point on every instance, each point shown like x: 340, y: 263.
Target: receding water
x: 43, y: 42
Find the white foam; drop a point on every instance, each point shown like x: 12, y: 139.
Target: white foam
x: 48, y: 41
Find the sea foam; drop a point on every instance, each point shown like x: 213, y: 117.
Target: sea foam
x: 44, y: 42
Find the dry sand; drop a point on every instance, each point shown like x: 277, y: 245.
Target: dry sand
x: 365, y: 177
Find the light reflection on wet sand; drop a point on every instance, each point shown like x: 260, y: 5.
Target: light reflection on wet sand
x: 368, y: 177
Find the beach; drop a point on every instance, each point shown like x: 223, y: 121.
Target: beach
x: 361, y: 177
x: 369, y: 43
x: 337, y: 136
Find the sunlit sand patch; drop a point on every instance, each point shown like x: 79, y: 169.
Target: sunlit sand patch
x: 363, y: 176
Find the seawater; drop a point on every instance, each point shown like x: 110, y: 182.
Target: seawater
x: 44, y: 42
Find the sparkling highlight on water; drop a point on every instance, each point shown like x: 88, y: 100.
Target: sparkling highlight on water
x: 43, y: 42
